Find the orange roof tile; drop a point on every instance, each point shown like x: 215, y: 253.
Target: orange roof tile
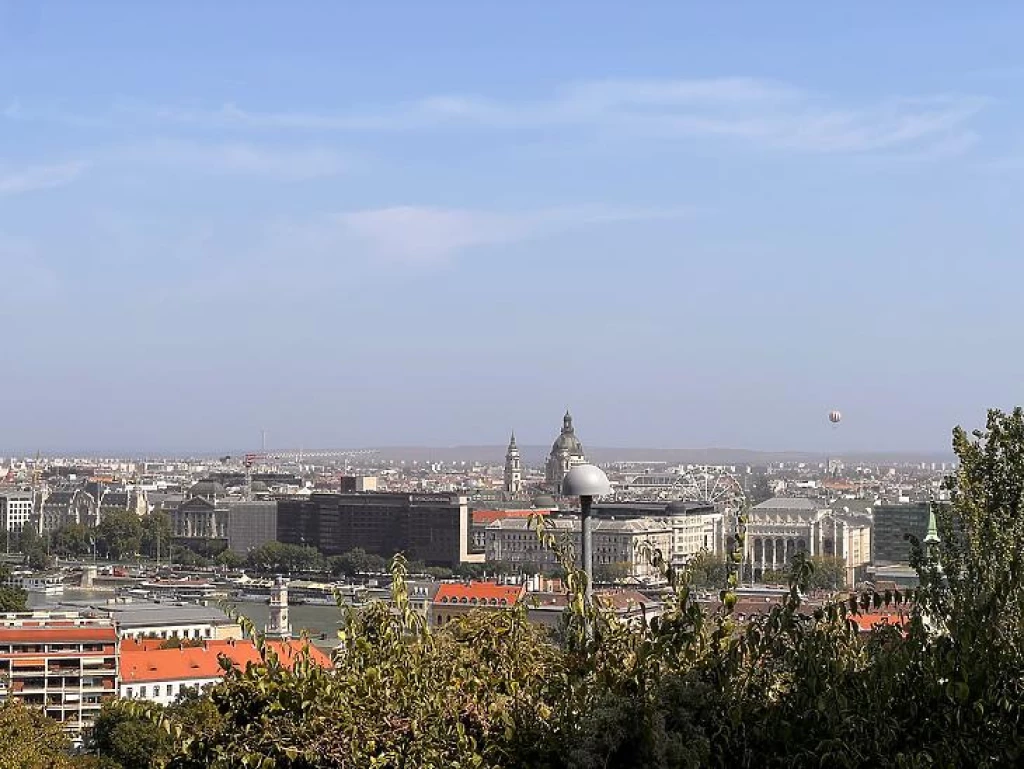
x: 484, y: 517
x: 867, y: 621
x: 454, y: 592
x: 203, y: 662
x: 57, y: 634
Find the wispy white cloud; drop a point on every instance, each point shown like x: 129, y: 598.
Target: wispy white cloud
x: 234, y: 158
x: 32, y: 178
x: 751, y: 110
x: 425, y: 235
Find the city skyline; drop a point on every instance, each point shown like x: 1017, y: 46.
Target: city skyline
x: 366, y: 226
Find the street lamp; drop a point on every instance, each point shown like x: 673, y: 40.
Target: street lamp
x: 586, y: 482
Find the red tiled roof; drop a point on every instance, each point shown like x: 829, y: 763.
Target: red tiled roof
x: 454, y: 592
x: 484, y: 517
x: 202, y: 662
x: 867, y: 621
x: 57, y: 634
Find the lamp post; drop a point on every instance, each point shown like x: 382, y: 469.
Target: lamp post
x: 586, y: 482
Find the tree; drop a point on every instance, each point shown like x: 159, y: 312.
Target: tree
x: 156, y: 534
x: 28, y: 538
x: 72, y: 539
x: 356, y: 561
x: 119, y: 534
x: 30, y: 740
x: 829, y: 573
x: 133, y: 741
x: 277, y: 557
x: 38, y: 559
x: 611, y: 572
x: 230, y: 560
x: 11, y: 598
x: 707, y: 570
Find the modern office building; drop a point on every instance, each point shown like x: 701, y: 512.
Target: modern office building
x: 892, y: 524
x: 433, y: 528
x: 63, y: 663
x: 251, y: 524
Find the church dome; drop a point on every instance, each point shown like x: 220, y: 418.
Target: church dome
x: 544, y: 502
x: 207, y: 488
x: 567, y: 442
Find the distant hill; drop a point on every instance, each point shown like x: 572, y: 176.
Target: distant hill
x: 711, y: 456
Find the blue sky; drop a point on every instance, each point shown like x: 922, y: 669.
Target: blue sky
x: 425, y: 223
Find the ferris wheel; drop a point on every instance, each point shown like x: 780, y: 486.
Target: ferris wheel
x: 711, y: 484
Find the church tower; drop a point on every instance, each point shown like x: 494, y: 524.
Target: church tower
x: 566, y: 453
x: 278, y: 626
x: 513, y: 470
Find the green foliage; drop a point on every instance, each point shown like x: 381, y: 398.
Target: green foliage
x: 30, y: 740
x: 13, y: 599
x: 708, y: 570
x: 184, y: 556
x: 119, y: 534
x: 156, y: 534
x: 72, y: 540
x: 827, y: 573
x: 607, y: 573
x: 230, y: 560
x: 280, y: 558
x: 37, y: 558
x: 129, y: 741
x: 356, y: 561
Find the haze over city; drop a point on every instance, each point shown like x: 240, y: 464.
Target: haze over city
x: 426, y: 224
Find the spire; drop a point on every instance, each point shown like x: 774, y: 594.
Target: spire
x: 567, y: 422
x: 512, y: 441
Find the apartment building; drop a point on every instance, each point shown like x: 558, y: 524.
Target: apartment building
x: 63, y: 663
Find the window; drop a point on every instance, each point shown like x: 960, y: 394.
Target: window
x: 156, y: 690
x: 128, y: 693
x: 142, y: 692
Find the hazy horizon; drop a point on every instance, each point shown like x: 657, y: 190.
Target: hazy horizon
x: 428, y: 224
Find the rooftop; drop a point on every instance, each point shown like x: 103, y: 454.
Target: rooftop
x: 142, y: 663
x: 481, y: 592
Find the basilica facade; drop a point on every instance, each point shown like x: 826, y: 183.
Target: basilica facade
x: 566, y: 453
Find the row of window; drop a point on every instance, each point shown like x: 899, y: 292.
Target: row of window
x: 158, y: 690
x: 475, y: 602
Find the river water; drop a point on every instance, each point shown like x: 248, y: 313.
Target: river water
x: 316, y: 621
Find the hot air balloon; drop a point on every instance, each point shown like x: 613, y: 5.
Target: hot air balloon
x: 835, y: 417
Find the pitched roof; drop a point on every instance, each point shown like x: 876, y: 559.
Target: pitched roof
x: 479, y: 592
x: 484, y: 517
x: 27, y: 634
x: 141, y: 663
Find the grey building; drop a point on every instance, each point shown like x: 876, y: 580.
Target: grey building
x: 892, y: 524
x: 251, y: 524
x: 433, y: 528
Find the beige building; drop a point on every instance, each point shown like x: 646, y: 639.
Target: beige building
x: 514, y: 542
x: 783, y: 526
